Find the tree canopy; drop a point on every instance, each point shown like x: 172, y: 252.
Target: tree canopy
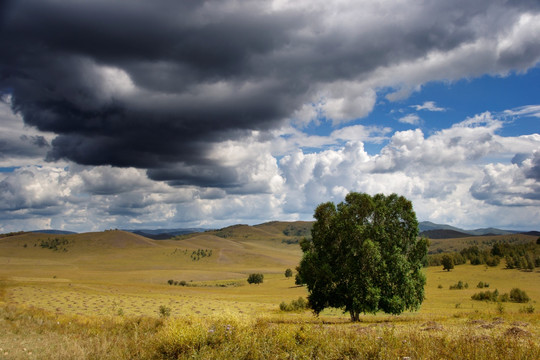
x: 364, y: 256
x: 256, y: 278
x: 447, y: 262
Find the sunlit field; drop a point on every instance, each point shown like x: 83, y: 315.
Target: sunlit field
x: 108, y: 295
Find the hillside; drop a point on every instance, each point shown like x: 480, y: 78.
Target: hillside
x: 279, y: 231
x: 483, y: 242
x: 443, y: 234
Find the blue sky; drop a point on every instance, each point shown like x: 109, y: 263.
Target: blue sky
x: 216, y: 113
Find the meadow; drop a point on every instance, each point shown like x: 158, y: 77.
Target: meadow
x: 107, y: 296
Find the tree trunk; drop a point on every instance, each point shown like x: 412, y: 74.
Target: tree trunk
x: 355, y: 315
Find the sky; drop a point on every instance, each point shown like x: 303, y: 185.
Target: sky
x: 168, y: 114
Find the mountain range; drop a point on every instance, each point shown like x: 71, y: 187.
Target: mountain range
x: 427, y: 229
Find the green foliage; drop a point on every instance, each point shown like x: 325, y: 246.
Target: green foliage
x: 365, y: 256
x: 517, y: 256
x: 256, y: 278
x: 198, y: 254
x: 164, y: 311
x: 516, y: 295
x: 527, y: 309
x: 295, y: 305
x: 290, y: 241
x: 288, y: 273
x: 9, y: 234
x: 519, y: 296
x: 459, y: 286
x: 297, y: 230
x: 486, y: 295
x: 436, y: 259
x: 56, y: 244
x: 482, y: 285
x: 447, y: 263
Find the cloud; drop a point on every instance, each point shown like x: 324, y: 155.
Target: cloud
x: 514, y: 184
x: 465, y: 175
x: 429, y: 106
x: 529, y: 110
x: 157, y: 87
x: 411, y: 119
x: 19, y: 144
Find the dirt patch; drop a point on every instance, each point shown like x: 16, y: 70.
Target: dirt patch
x: 520, y: 323
x: 432, y: 326
x: 517, y: 332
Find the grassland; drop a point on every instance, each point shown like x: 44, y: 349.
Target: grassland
x: 101, y: 298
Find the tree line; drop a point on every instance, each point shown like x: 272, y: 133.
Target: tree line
x: 516, y: 256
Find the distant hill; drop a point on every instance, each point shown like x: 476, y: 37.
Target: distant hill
x: 532, y: 233
x: 426, y: 226
x: 443, y: 234
x: 283, y: 231
x: 53, y: 231
x: 164, y: 234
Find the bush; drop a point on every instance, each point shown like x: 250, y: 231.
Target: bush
x: 493, y: 261
x: 170, y: 282
x: 256, y: 278
x: 482, y: 285
x: 459, y: 286
x: 527, y: 309
x: 164, y: 311
x: 288, y: 273
x: 486, y: 295
x: 519, y: 296
x: 295, y: 305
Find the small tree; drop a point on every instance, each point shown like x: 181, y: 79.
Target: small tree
x: 288, y: 273
x: 447, y: 262
x: 255, y: 278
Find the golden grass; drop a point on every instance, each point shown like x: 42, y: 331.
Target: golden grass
x: 101, y: 300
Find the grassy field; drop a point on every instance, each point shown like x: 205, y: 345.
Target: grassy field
x: 102, y: 295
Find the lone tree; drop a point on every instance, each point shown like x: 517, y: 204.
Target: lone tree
x: 364, y: 256
x: 447, y: 262
x: 255, y: 278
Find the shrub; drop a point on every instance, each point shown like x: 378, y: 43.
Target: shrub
x: 519, y: 296
x: 486, y: 295
x: 256, y: 278
x: 164, y: 311
x: 459, y: 286
x: 482, y: 284
x: 493, y: 261
x: 295, y: 305
x: 288, y: 273
x: 527, y: 309
x: 170, y: 282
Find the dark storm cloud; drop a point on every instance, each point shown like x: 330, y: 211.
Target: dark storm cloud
x: 155, y: 85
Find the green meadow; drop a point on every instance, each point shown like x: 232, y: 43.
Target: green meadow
x: 107, y: 295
